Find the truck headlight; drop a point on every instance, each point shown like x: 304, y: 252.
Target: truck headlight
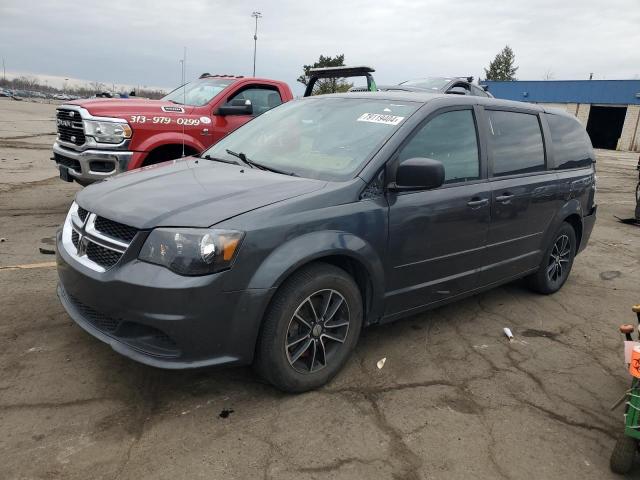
x: 191, y: 251
x: 107, y: 132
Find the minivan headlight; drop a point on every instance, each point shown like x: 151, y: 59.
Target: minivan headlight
x: 107, y: 132
x: 191, y: 251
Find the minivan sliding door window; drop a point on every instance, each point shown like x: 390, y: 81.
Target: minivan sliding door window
x: 515, y: 141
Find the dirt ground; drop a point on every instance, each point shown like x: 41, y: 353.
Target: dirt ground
x: 454, y: 400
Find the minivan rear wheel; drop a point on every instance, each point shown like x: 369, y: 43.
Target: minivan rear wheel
x: 310, y: 328
x: 556, y: 262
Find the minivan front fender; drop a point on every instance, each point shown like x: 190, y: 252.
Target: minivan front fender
x: 331, y: 245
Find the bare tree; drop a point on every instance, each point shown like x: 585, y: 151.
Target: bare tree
x: 97, y: 87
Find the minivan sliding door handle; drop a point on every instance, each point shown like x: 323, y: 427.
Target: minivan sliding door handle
x: 504, y: 198
x: 477, y: 202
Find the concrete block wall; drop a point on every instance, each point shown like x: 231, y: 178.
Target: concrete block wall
x: 582, y: 113
x: 630, y: 136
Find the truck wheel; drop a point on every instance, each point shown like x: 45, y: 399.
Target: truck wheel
x: 310, y: 329
x: 623, y: 454
x: 556, y: 262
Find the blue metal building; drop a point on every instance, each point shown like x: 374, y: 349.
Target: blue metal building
x: 610, y: 109
x: 603, y: 92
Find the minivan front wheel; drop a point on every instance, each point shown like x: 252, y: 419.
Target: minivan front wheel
x: 557, y: 261
x: 310, y: 329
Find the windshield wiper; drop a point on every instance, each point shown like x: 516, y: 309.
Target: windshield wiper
x: 177, y: 103
x: 254, y: 164
x: 216, y: 159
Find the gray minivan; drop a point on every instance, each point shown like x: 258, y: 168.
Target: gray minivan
x: 277, y: 245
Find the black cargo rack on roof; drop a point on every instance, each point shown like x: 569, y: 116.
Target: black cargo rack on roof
x: 340, y: 72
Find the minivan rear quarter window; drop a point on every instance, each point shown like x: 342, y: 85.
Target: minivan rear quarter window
x: 515, y: 141
x: 571, y: 145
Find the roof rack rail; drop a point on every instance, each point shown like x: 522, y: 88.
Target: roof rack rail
x: 340, y: 72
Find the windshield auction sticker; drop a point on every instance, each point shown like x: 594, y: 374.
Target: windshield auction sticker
x: 380, y: 118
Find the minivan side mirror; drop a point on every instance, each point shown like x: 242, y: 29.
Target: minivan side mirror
x: 458, y: 91
x: 239, y: 106
x: 418, y: 174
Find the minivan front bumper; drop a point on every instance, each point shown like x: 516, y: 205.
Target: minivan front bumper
x: 151, y: 315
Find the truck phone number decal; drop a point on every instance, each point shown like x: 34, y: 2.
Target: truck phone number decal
x: 164, y: 120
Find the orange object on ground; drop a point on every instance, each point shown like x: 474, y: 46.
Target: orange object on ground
x: 634, y: 366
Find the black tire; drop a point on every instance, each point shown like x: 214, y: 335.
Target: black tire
x: 623, y: 454
x: 301, y: 312
x: 548, y: 279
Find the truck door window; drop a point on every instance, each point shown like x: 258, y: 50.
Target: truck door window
x: 451, y: 138
x: 515, y: 141
x: 261, y: 98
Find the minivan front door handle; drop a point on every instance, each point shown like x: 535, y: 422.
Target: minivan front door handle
x: 476, y: 202
x: 504, y: 198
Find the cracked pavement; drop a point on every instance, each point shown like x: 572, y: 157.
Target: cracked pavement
x: 454, y: 399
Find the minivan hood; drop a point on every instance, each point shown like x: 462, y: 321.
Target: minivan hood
x: 190, y: 192
x: 116, y: 107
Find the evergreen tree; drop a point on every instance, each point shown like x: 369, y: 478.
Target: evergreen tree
x: 326, y: 85
x: 503, y: 66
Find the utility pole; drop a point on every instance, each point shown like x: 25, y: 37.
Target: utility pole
x: 4, y: 71
x: 256, y: 15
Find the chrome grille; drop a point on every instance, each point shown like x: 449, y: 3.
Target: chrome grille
x: 96, y: 242
x: 102, y: 256
x: 115, y: 229
x: 75, y: 238
x: 82, y: 213
x: 70, y: 127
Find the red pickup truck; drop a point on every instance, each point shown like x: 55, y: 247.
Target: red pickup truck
x: 98, y: 138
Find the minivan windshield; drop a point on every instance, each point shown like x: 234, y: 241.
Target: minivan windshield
x: 326, y: 138
x: 199, y: 92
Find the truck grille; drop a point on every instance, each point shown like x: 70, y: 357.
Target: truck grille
x: 70, y: 127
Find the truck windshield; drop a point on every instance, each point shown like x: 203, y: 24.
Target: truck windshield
x: 327, y: 138
x: 199, y: 92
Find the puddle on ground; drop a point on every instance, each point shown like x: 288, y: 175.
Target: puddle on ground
x: 532, y: 332
x: 610, y: 274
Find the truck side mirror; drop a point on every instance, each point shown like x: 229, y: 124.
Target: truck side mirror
x: 239, y: 106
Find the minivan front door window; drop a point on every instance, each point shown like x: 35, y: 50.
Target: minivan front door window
x: 451, y: 138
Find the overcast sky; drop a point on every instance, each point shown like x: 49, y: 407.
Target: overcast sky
x: 140, y: 42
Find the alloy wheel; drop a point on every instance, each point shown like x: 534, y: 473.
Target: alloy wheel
x: 559, y: 259
x: 317, y: 330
